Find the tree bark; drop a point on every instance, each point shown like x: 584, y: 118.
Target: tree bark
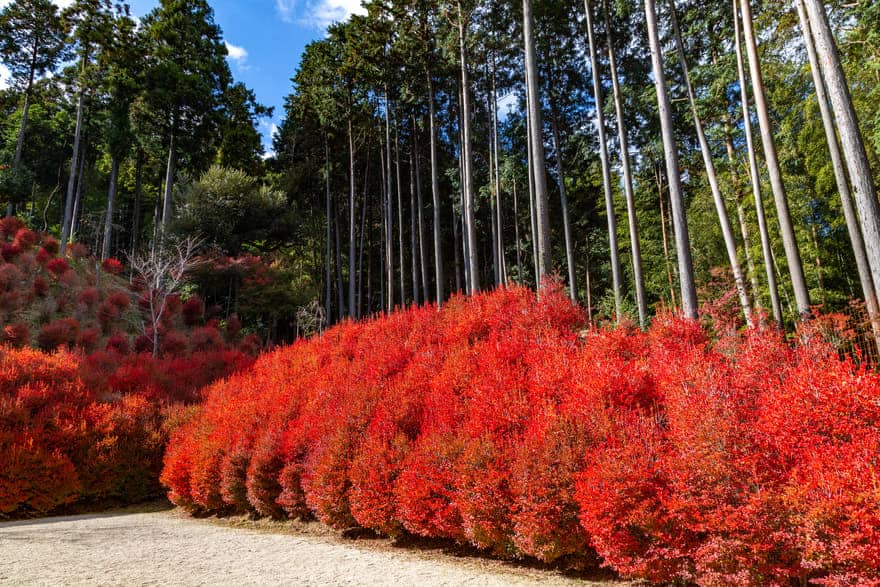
x: 74, y: 160
x: 423, y: 255
x: 413, y: 236
x: 635, y: 244
x: 789, y: 240
x: 400, y: 249
x: 720, y: 208
x: 606, y: 171
x: 170, y: 171
x: 138, y: 192
x: 754, y: 174
x: 850, y: 135
x: 519, y: 269
x: 537, y: 140
x: 679, y: 219
x: 435, y: 195
x: 352, y: 215
x: 108, y: 216
x: 563, y: 196
x: 470, y: 227
x: 852, y: 221
x: 328, y: 273
x: 389, y: 239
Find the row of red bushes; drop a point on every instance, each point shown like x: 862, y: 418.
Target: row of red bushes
x: 51, y: 301
x: 497, y: 422
x: 92, y: 430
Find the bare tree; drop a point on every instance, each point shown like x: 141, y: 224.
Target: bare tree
x: 163, y: 271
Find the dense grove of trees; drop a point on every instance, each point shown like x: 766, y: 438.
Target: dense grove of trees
x: 434, y: 147
x: 514, y: 117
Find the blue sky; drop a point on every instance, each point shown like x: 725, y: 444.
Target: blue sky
x: 265, y: 39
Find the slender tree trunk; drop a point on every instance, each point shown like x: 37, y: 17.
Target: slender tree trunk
x: 519, y: 269
x: 789, y: 241
x: 423, y: 254
x: 389, y: 190
x: 328, y: 273
x: 850, y: 136
x: 138, y: 192
x: 456, y: 243
x: 537, y: 140
x: 679, y: 219
x: 74, y: 160
x: 606, y: 171
x: 635, y: 244
x: 741, y: 213
x: 170, y: 171
x: 658, y: 174
x: 77, y: 199
x: 496, y: 265
x: 435, y: 194
x: 533, y: 221
x: 470, y: 222
x: 563, y: 196
x: 352, y: 215
x: 720, y: 208
x: 340, y: 284
x: 754, y: 174
x: 852, y: 222
x: 360, y: 264
x: 589, y: 285
x: 108, y: 216
x: 19, y: 143
x: 497, y: 178
x: 402, y: 258
x: 413, y: 237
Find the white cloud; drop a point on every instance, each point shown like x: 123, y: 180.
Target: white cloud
x: 317, y: 13
x: 236, y: 53
x: 4, y: 77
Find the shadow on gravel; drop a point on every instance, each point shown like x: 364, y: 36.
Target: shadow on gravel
x: 581, y: 568
x: 83, y: 512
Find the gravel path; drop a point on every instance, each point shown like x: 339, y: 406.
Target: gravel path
x: 167, y: 548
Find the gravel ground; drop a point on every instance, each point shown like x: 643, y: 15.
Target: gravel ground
x: 168, y: 548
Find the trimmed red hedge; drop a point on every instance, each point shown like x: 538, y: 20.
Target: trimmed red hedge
x: 497, y: 421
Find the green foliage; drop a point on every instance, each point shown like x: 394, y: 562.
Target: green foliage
x: 232, y: 211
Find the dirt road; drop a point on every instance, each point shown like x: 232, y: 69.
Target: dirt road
x: 167, y: 548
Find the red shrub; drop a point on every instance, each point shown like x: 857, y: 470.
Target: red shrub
x: 10, y: 277
x: 78, y: 251
x: 498, y: 422
x: 9, y: 251
x: 41, y: 287
x: 171, y: 343
x: 112, y: 266
x: 51, y: 246
x: 88, y: 339
x: 205, y: 339
x: 25, y: 238
x: 9, y: 226
x: 16, y: 335
x: 120, y: 299
x: 193, y: 310
x: 57, y: 267
x: 63, y: 331
x: 118, y: 342
x: 89, y: 297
